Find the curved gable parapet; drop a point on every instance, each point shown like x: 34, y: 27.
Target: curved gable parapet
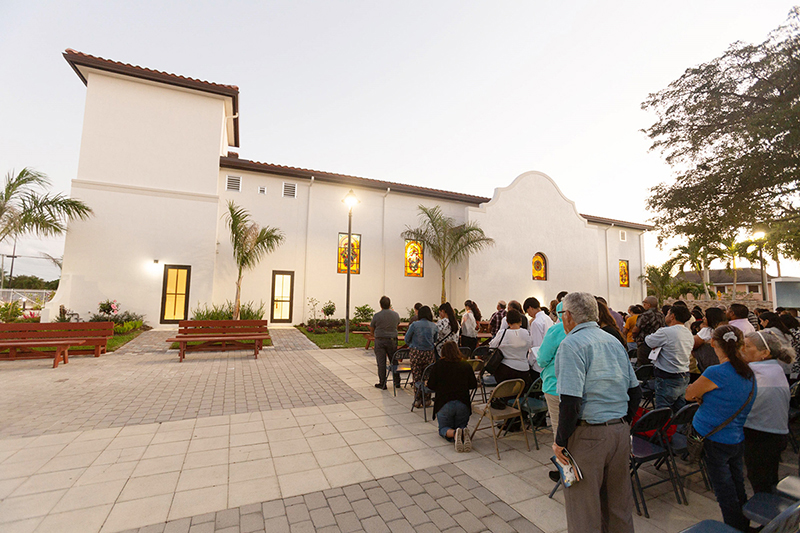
x: 519, y: 182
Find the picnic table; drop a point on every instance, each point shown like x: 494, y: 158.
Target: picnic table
x: 61, y: 349
x: 401, y: 329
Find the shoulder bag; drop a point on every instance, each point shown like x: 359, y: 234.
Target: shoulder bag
x: 493, y: 363
x: 694, y: 442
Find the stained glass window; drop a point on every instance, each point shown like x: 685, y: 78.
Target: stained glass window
x: 539, y: 267
x: 624, y: 277
x: 414, y: 259
x: 355, y: 254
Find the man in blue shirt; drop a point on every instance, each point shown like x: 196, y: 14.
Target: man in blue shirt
x: 599, y: 393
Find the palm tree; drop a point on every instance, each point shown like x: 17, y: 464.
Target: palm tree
x: 730, y: 251
x: 659, y: 280
x: 24, y: 210
x: 698, y: 254
x: 447, y: 242
x: 250, y: 244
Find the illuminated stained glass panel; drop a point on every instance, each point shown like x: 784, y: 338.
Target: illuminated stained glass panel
x: 355, y: 254
x: 624, y: 274
x: 539, y: 267
x: 415, y: 261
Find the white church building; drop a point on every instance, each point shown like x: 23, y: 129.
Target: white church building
x: 156, y: 168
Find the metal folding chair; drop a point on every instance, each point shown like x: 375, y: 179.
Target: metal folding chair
x: 422, y: 388
x: 400, y: 365
x: 646, y: 450
x: 509, y: 388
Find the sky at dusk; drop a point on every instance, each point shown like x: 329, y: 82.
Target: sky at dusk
x: 456, y: 95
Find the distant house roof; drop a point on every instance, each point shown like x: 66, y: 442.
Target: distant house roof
x: 234, y: 162
x: 723, y: 277
x: 77, y: 60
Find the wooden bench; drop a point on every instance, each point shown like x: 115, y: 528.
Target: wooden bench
x: 61, y: 352
x: 220, y: 335
x: 21, y: 339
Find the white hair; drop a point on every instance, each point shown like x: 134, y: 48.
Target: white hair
x: 582, y: 306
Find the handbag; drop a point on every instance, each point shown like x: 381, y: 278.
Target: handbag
x: 493, y: 363
x: 695, y: 442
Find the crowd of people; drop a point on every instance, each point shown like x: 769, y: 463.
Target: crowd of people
x: 736, y: 363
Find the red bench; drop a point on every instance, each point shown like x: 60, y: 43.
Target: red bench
x: 18, y: 340
x: 220, y: 335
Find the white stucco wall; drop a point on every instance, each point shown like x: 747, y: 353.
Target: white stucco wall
x: 575, y: 249
x: 148, y: 168
x: 311, y: 223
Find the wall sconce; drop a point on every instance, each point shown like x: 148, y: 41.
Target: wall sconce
x: 155, y: 261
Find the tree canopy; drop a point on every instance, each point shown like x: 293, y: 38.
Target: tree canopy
x: 729, y: 128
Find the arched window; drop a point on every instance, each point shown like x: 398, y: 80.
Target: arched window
x: 539, y: 267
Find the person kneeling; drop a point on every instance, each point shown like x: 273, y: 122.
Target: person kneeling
x: 452, y: 379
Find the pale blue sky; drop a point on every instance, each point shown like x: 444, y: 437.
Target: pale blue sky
x: 456, y: 95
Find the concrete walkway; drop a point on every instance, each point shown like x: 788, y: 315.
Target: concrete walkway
x: 307, y: 444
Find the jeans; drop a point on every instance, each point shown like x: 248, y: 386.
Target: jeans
x: 725, y: 471
x: 671, y: 392
x: 452, y: 415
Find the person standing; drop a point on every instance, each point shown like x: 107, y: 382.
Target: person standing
x: 723, y: 391
x: 421, y: 339
x: 469, y: 325
x: 538, y: 326
x: 447, y: 326
x: 497, y: 318
x: 737, y: 317
x: 675, y: 343
x: 599, y: 393
x: 648, y: 322
x: 546, y: 359
x: 384, y: 328
x: 767, y: 427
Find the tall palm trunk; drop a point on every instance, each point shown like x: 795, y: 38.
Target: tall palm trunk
x: 735, y: 279
x: 706, y: 281
x: 444, y: 293
x: 237, y: 301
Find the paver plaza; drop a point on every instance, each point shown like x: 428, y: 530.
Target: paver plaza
x: 297, y: 440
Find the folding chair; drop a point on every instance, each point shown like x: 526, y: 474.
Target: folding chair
x: 794, y: 414
x: 764, y: 507
x: 400, y: 365
x: 508, y: 388
x: 477, y: 367
x: 786, y: 522
x: 647, y: 381
x: 485, y: 380
x: 677, y: 446
x: 466, y: 351
x: 422, y: 388
x: 649, y: 450
x: 532, y: 405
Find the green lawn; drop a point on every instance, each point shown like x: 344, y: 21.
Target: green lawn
x: 335, y: 340
x: 118, y: 341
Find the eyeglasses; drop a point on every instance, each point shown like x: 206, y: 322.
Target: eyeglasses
x: 561, y: 312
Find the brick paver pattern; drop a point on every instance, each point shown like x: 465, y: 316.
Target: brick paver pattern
x: 143, y: 382
x: 427, y: 501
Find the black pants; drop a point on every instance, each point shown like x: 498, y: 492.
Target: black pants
x: 643, y: 355
x: 762, y: 455
x: 384, y: 350
x: 469, y: 342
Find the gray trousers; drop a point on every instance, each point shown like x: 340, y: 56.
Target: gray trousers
x: 603, y: 500
x: 384, y: 350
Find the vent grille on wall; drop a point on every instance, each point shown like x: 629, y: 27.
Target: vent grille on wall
x: 289, y: 190
x: 233, y: 183
x: 623, y: 235
x: 262, y: 190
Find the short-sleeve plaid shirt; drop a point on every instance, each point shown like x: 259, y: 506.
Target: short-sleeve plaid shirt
x: 649, y: 322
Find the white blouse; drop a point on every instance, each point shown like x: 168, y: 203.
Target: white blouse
x: 514, y: 343
x: 469, y: 328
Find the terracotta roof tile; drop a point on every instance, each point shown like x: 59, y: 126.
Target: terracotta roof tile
x: 615, y: 222
x: 244, y: 164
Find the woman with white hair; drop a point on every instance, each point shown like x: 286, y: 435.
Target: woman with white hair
x: 767, y: 425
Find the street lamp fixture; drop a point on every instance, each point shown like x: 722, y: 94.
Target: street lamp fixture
x: 759, y: 236
x: 350, y: 201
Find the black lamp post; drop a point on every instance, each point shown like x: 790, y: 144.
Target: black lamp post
x: 350, y: 201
